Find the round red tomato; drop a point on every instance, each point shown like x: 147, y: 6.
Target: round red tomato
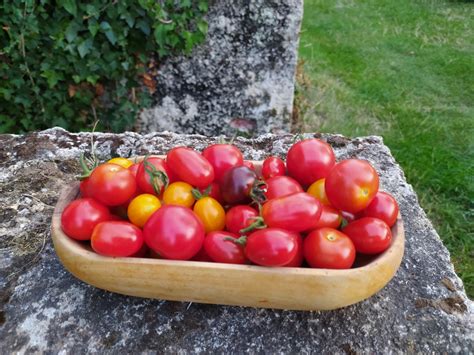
x: 222, y: 250
x: 298, y: 212
x: 222, y: 157
x: 116, y: 238
x: 134, y: 168
x: 310, y: 160
x: 84, y: 188
x: 81, y: 216
x: 111, y: 184
x: 330, y: 217
x: 298, y: 259
x: 383, y: 207
x: 352, y: 185
x: 271, y: 247
x: 190, y: 166
x: 328, y: 248
x: 280, y: 186
x: 240, y: 217
x: 174, y: 232
x: 273, y: 166
x: 369, y: 235
x: 153, y: 175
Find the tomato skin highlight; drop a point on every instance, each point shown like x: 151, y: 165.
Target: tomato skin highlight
x: 328, y: 248
x: 351, y: 185
x: 145, y: 181
x: 111, y: 184
x: 190, y: 166
x: 273, y: 166
x: 116, y: 238
x: 298, y: 259
x: 309, y: 160
x: 318, y: 190
x: 239, y: 217
x: 222, y: 250
x: 369, y: 235
x: 81, y: 216
x: 249, y: 165
x: 237, y: 184
x: 222, y: 157
x: 330, y: 218
x: 298, y: 212
x: 141, y: 208
x: 384, y: 207
x: 174, y: 232
x: 271, y: 247
x: 179, y: 193
x: 280, y: 186
x: 211, y: 214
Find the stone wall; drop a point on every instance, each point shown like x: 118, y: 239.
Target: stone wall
x: 242, y: 75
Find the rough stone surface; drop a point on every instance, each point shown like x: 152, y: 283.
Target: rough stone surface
x: 245, y: 69
x: 424, y: 309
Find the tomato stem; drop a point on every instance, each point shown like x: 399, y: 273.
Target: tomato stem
x: 258, y: 224
x: 198, y: 195
x: 239, y: 241
x: 257, y: 192
x: 158, y: 178
x: 344, y: 223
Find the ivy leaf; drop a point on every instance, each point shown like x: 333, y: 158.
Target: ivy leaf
x: 129, y: 19
x: 202, y: 6
x: 71, y: 31
x: 144, y: 27
x: 109, y: 33
x: 202, y: 26
x: 186, y: 3
x: 52, y: 77
x: 160, y: 34
x: 70, y: 6
x: 85, y: 47
x: 93, y: 27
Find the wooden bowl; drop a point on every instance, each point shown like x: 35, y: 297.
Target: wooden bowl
x: 241, y: 285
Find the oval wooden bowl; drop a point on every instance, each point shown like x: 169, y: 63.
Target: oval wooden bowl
x: 241, y: 285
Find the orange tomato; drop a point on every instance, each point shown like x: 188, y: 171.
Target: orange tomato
x: 141, y: 208
x: 179, y: 193
x: 211, y: 214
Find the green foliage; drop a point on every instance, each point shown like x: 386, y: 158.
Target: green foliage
x: 67, y: 63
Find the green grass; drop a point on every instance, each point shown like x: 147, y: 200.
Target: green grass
x: 404, y: 70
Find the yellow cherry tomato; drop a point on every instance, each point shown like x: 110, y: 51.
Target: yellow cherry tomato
x: 317, y: 190
x: 179, y: 193
x: 141, y: 208
x: 123, y: 162
x: 211, y: 214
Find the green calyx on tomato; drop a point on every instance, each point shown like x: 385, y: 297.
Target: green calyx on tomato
x: 158, y: 179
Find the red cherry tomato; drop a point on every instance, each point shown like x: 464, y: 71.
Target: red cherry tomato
x: 116, y: 238
x: 249, y: 164
x: 298, y: 259
x: 174, y: 232
x: 190, y: 166
x: 239, y: 217
x: 310, y: 160
x: 329, y: 249
x: 330, y: 217
x: 280, y: 186
x: 150, y: 178
x: 369, y: 235
x: 84, y: 188
x: 237, y: 184
x: 383, y: 207
x: 352, y: 185
x: 273, y: 166
x: 223, y: 157
x: 111, y: 184
x: 134, y: 168
x: 271, y: 247
x: 222, y: 250
x: 81, y: 216
x: 298, y: 212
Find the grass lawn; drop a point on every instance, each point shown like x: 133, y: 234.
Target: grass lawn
x: 403, y: 70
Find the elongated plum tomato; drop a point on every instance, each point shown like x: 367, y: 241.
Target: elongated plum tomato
x: 179, y: 193
x: 310, y: 160
x: 81, y: 216
x: 222, y: 250
x: 328, y: 248
x: 383, y: 207
x: 298, y: 259
x: 298, y: 212
x: 190, y: 166
x: 273, y: 166
x: 369, y: 235
x: 123, y: 162
x: 174, y: 232
x: 116, y: 238
x: 222, y: 157
x: 237, y: 184
x: 141, y: 208
x: 330, y: 217
x: 271, y: 247
x: 351, y: 185
x: 317, y: 189
x: 153, y: 174
x: 211, y: 214
x: 280, y: 186
x: 239, y: 217
x: 111, y: 184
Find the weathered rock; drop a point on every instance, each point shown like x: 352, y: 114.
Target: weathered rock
x: 245, y: 69
x: 423, y: 309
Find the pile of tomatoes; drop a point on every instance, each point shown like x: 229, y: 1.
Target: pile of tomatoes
x: 215, y: 206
